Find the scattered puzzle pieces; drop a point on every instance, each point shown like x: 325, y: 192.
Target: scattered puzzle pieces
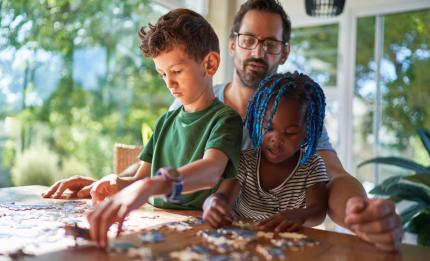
x: 121, y: 247
x: 151, y: 236
x: 271, y: 253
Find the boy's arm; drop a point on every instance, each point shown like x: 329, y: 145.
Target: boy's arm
x: 142, y: 172
x: 197, y: 175
x: 111, y: 184
x: 204, y: 173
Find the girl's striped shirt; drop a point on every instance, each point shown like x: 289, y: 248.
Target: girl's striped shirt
x: 254, y: 203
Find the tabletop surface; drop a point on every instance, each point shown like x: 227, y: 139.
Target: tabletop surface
x: 333, y: 245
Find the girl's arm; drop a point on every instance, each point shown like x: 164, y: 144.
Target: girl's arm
x: 316, y: 206
x: 293, y: 219
x: 217, y: 210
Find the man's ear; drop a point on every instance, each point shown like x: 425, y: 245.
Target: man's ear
x: 211, y: 63
x: 285, y: 54
x: 231, y: 46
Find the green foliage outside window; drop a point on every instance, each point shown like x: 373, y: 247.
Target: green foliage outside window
x: 77, y: 121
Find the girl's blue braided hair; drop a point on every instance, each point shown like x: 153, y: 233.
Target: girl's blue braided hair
x: 292, y: 85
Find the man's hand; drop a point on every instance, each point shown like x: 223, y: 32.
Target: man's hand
x: 103, y: 188
x: 80, y: 186
x: 281, y: 222
x: 216, y: 211
x: 375, y: 221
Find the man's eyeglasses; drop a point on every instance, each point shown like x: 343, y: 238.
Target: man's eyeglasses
x: 250, y: 42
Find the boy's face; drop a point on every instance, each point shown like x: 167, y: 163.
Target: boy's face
x: 287, y: 131
x: 254, y: 65
x: 184, y: 77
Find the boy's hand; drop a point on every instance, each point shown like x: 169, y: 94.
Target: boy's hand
x: 375, y: 221
x: 217, y: 212
x: 281, y: 222
x: 116, y: 209
x: 103, y: 188
x: 80, y: 186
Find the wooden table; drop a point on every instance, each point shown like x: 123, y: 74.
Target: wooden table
x: 334, y: 246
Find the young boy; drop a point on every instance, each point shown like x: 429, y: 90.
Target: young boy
x: 193, y: 147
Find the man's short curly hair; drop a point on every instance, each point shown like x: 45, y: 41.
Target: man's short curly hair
x: 179, y: 27
x: 270, y: 6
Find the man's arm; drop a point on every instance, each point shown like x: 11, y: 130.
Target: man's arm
x: 342, y: 186
x: 373, y: 220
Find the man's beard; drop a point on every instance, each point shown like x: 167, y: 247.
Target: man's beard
x: 252, y: 79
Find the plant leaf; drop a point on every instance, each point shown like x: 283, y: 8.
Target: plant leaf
x: 420, y: 224
x: 423, y: 179
x: 405, y: 191
x: 396, y: 161
x: 409, y: 213
x: 423, y: 239
x: 385, y: 185
x: 424, y: 135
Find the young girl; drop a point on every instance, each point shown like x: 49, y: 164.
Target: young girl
x: 281, y: 183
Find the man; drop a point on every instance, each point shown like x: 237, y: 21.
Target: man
x: 258, y: 26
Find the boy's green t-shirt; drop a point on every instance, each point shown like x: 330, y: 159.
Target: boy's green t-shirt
x: 180, y: 138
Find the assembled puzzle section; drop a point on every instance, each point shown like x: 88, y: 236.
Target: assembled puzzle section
x: 31, y: 229
x: 193, y: 240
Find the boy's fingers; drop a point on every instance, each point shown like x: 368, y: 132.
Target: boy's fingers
x: 60, y: 190
x: 122, y: 213
x: 51, y: 190
x: 109, y: 214
x: 96, y: 193
x: 85, y: 192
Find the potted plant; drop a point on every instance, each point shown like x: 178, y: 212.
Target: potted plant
x: 412, y: 188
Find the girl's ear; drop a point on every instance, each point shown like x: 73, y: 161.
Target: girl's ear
x: 211, y: 63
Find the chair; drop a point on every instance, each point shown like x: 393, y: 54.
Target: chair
x: 124, y: 156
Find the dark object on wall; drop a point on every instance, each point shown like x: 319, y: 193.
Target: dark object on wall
x: 324, y: 7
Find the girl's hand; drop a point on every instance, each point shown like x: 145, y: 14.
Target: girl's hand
x: 103, y: 188
x: 282, y: 222
x: 116, y: 209
x: 216, y: 212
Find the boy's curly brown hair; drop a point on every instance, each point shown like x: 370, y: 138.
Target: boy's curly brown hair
x: 179, y: 27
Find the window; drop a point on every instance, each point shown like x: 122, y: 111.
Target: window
x: 314, y: 51
x: 73, y: 82
x: 401, y: 107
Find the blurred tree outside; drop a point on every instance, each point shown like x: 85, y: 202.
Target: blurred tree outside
x: 73, y: 78
x: 404, y: 87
